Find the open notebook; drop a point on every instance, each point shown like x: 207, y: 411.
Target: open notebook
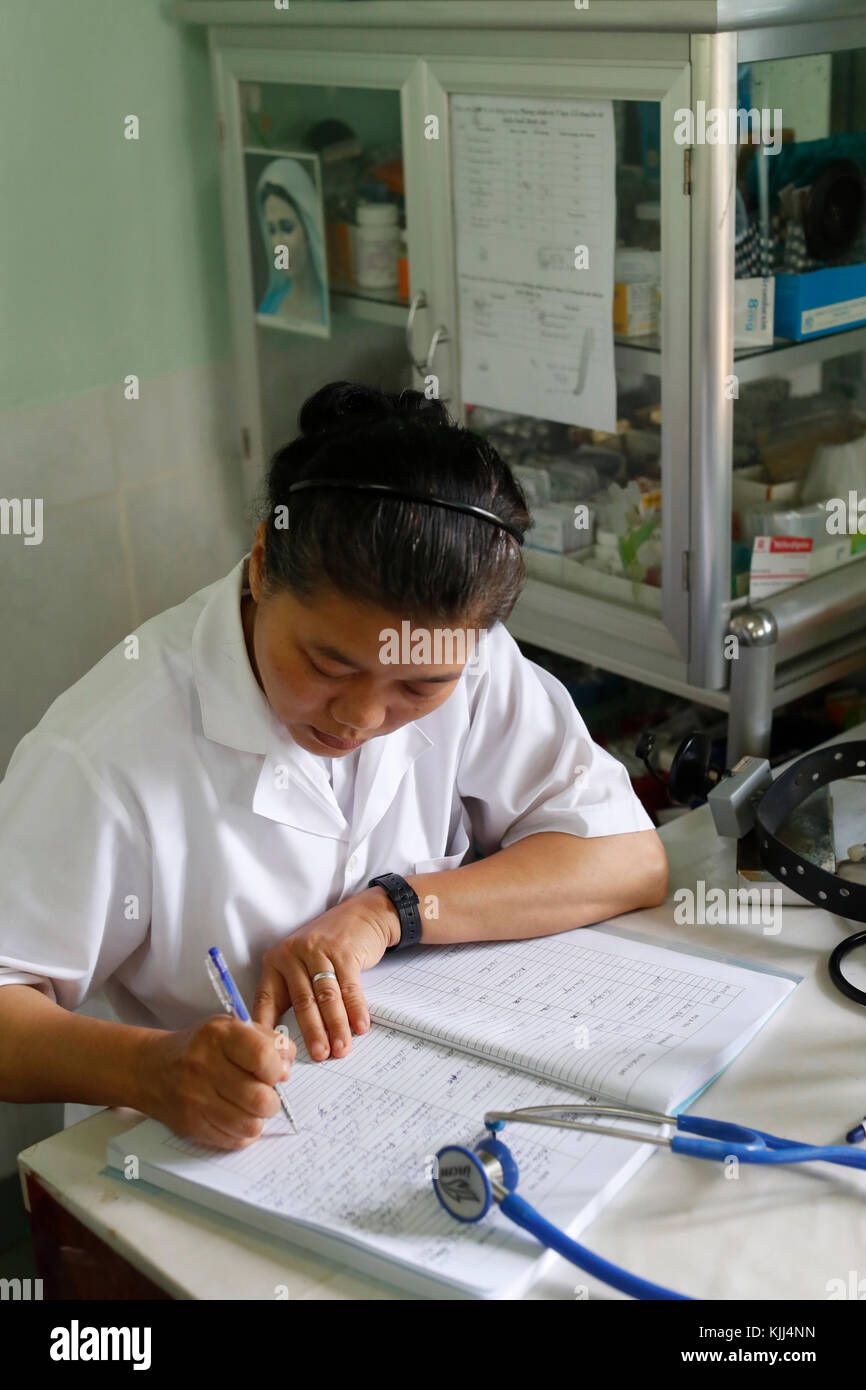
x: 459, y: 1030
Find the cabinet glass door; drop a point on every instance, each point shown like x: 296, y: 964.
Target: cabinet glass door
x: 799, y: 453
x: 325, y: 190
x: 587, y: 447
x: 321, y: 228
x: 569, y: 221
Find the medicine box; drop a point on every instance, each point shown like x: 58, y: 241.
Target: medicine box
x: 535, y: 483
x: 635, y: 310
x: 553, y: 527
x: 820, y: 301
x: 751, y: 485
x: 753, y: 312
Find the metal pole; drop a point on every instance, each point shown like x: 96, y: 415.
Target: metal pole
x: 753, y: 670
x: 714, y: 86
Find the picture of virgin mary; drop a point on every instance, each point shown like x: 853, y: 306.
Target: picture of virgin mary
x: 289, y: 210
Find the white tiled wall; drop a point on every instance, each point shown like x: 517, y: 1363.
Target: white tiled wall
x: 143, y: 504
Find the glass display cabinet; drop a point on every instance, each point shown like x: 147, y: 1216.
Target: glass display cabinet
x: 433, y: 172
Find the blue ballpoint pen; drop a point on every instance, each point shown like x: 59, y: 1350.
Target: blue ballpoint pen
x: 227, y: 993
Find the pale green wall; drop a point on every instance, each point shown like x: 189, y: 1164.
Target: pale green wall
x: 111, y: 252
x: 111, y: 261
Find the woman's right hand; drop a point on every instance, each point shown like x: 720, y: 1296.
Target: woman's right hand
x: 214, y: 1082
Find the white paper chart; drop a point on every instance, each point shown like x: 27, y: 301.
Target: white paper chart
x: 533, y: 184
x: 628, y: 1019
x: 359, y: 1170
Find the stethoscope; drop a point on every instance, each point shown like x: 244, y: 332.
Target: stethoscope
x: 468, y: 1182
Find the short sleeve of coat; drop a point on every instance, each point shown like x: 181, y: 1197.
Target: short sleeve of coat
x: 75, y: 881
x: 529, y: 764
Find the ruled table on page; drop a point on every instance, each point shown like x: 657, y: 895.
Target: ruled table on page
x: 476, y: 1028
x: 604, y: 1014
x: 370, y: 1125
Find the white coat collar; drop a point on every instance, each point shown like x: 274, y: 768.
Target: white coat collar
x: 234, y: 710
x: 293, y: 786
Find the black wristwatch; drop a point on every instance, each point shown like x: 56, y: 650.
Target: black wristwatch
x: 405, y: 899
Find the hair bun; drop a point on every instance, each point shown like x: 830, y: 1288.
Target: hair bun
x: 342, y: 402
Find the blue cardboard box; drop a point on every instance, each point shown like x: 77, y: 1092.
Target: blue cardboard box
x: 820, y: 302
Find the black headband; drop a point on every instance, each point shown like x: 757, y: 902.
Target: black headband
x: 412, y: 497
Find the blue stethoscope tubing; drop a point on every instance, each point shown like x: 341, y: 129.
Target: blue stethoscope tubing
x: 492, y: 1172
x: 532, y: 1221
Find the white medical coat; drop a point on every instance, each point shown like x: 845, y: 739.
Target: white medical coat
x: 160, y: 808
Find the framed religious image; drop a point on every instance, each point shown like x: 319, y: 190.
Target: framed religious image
x: 287, y: 241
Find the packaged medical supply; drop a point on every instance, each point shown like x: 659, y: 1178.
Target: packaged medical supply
x: 787, y: 443
x: 609, y: 464
x: 643, y: 446
x: 637, y: 277
x: 561, y: 527
x: 771, y: 519
x: 752, y: 485
x: 572, y: 479
x: 836, y: 470
x: 535, y: 483
x: 753, y: 311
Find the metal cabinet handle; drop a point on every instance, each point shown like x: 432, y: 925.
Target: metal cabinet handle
x: 440, y: 335
x: 419, y: 301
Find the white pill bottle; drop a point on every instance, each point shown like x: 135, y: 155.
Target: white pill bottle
x: 378, y: 246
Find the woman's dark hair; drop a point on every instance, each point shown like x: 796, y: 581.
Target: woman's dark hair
x: 424, y: 561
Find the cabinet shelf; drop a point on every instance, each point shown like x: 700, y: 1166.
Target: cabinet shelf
x: 379, y: 306
x: 753, y: 364
x: 639, y: 354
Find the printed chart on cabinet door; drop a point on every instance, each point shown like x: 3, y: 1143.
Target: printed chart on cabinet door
x: 534, y: 202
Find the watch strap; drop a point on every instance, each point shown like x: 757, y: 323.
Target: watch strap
x: 405, y: 899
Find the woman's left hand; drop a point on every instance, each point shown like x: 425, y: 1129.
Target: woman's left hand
x: 348, y: 938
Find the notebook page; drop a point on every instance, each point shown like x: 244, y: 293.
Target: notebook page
x: 370, y: 1124
x: 625, y: 1019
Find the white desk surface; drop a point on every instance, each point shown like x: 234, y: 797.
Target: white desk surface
x: 770, y: 1233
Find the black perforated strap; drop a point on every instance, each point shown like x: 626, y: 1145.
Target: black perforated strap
x: 789, y: 789
x: 405, y: 899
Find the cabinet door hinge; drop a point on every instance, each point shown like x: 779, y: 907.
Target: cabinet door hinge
x: 686, y: 569
x: 245, y: 442
x: 687, y: 169
x: 221, y: 132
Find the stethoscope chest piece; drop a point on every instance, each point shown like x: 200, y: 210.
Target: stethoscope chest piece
x: 467, y: 1183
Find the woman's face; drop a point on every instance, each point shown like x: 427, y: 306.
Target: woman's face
x: 326, y: 669
x: 285, y: 228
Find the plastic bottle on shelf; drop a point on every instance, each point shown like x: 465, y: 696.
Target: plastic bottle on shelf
x: 339, y: 151
x: 403, y: 265
x: 378, y: 245
x: 637, y: 278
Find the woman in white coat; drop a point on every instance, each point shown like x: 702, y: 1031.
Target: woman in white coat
x: 334, y: 751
